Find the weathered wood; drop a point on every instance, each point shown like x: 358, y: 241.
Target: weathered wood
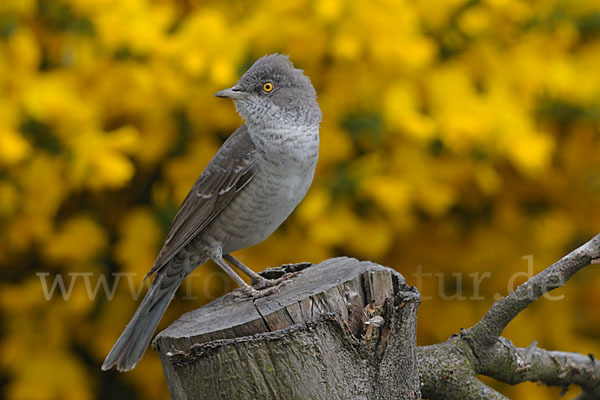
x: 341, y: 329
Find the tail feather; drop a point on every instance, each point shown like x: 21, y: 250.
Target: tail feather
x: 134, y: 340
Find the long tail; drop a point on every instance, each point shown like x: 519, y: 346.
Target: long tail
x: 134, y: 340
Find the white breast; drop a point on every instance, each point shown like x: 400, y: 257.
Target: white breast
x: 285, y: 165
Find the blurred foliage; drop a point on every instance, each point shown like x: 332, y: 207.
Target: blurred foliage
x: 458, y: 137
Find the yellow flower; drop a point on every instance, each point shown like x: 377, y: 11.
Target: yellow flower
x: 370, y: 239
x: 99, y: 158
x: 329, y: 10
x: 346, y: 46
x: 51, y: 96
x: 531, y: 153
x: 77, y: 240
x: 475, y: 21
x: 138, y: 243
x: 21, y: 7
x: 109, y: 169
x: 9, y: 199
x: 435, y: 198
x: 392, y: 194
x: 488, y: 179
x: 13, y: 147
x: 401, y: 112
x: 314, y: 206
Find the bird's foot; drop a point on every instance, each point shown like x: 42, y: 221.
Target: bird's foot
x: 255, y: 293
x: 270, y: 281
x: 264, y: 283
x: 264, y: 287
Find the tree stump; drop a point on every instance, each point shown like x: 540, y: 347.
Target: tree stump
x: 341, y: 329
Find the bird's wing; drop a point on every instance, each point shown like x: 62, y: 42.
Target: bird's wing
x: 227, y: 173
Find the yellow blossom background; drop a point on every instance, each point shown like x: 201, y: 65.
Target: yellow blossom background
x: 458, y: 137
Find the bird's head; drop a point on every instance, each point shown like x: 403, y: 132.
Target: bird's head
x: 273, y: 92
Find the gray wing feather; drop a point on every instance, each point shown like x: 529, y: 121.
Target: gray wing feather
x: 227, y: 173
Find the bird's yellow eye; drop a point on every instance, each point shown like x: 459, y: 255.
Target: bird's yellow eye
x: 268, y: 87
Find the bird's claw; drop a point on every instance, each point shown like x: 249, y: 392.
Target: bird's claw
x: 264, y: 283
x: 265, y: 287
x: 249, y: 291
x: 256, y: 294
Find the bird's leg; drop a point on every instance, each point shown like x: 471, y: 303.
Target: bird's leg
x: 258, y: 282
x: 246, y: 270
x: 243, y: 285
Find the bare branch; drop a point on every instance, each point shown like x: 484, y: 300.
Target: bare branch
x: 449, y: 370
x: 505, y: 310
x: 510, y: 364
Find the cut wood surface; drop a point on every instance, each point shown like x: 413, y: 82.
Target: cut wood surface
x: 341, y: 329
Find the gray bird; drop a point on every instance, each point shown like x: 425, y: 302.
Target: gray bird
x: 256, y: 179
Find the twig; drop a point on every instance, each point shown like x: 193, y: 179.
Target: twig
x: 515, y: 365
x: 505, y: 310
x: 449, y: 370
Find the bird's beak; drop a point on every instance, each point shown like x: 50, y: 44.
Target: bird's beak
x: 233, y: 93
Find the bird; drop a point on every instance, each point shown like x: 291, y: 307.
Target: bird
x: 252, y: 184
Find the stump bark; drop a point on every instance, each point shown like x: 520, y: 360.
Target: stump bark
x: 341, y: 329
